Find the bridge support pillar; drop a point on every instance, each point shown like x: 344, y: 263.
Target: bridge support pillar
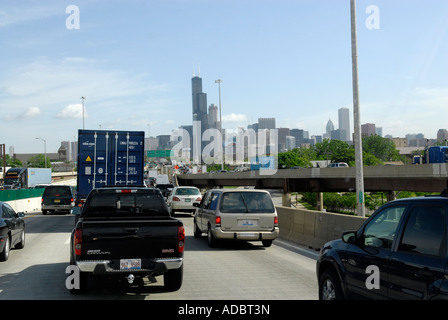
x: 391, y: 196
x: 319, y: 201
x: 286, y: 199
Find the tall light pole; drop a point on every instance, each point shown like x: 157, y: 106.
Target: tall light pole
x: 83, y: 98
x: 45, y: 150
x: 219, y: 81
x: 356, y: 116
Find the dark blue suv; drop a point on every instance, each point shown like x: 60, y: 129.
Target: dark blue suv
x: 400, y: 252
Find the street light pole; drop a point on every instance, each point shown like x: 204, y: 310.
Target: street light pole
x: 356, y: 115
x: 83, y: 98
x: 219, y: 81
x: 45, y: 150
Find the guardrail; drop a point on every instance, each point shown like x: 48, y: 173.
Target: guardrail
x: 314, y: 228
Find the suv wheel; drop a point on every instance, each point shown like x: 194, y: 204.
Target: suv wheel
x: 329, y: 286
x: 212, y: 241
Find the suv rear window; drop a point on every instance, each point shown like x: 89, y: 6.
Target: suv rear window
x: 246, y: 202
x: 57, y: 191
x: 120, y: 203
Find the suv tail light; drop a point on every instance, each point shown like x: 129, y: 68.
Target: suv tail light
x: 275, y: 221
x: 180, y: 239
x: 77, y: 241
x: 218, y: 221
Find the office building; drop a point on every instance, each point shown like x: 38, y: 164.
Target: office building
x: 368, y: 129
x: 344, y: 123
x: 213, y: 121
x: 266, y: 123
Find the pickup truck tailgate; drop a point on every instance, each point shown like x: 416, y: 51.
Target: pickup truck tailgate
x: 118, y: 239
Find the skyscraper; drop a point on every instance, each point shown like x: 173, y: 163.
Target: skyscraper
x: 213, y: 121
x: 199, y: 100
x: 266, y: 123
x: 344, y: 123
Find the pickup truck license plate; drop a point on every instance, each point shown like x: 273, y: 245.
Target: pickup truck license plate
x: 130, y: 264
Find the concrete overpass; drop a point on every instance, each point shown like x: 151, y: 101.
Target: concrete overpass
x: 419, y: 178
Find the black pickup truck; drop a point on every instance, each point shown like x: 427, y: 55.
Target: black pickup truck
x: 127, y: 232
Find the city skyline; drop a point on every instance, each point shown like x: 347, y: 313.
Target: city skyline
x: 288, y: 60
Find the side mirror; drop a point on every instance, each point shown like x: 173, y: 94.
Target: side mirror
x: 349, y: 237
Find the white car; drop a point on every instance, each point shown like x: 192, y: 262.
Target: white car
x: 182, y: 199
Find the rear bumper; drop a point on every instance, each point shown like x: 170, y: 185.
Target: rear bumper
x: 246, y: 235
x: 112, y: 266
x: 179, y: 206
x: 56, y: 206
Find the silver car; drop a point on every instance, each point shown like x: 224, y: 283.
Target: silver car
x: 236, y: 214
x: 183, y: 199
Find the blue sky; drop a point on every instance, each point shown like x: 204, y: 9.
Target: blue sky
x: 288, y: 59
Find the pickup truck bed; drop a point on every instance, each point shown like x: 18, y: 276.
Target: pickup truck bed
x: 124, y: 231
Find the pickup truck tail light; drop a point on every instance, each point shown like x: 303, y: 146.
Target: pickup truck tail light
x: 77, y: 241
x: 180, y: 239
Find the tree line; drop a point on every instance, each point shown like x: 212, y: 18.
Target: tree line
x: 376, y: 151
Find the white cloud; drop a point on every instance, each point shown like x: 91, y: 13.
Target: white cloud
x: 31, y: 113
x: 71, y: 111
x: 233, y: 117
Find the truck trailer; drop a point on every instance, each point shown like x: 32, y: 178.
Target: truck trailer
x: 109, y: 158
x: 23, y: 178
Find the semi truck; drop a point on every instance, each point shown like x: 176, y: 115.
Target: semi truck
x: 23, y: 178
x: 109, y: 158
x: 435, y: 154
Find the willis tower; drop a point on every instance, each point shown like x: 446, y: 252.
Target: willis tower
x: 200, y: 117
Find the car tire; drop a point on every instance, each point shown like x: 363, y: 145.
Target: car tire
x: 330, y: 286
x: 196, y: 231
x: 21, y: 244
x: 4, y: 255
x: 172, y: 279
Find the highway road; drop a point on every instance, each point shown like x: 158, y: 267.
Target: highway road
x: 234, y: 271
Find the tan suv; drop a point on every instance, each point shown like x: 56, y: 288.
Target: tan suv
x: 236, y: 214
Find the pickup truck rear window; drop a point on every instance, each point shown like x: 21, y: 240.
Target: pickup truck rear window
x: 126, y: 204
x: 246, y: 202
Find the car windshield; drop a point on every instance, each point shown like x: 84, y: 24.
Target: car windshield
x: 187, y: 192
x: 246, y: 202
x: 126, y: 204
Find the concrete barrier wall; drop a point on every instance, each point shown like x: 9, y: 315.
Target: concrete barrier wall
x: 26, y: 205
x: 314, y: 228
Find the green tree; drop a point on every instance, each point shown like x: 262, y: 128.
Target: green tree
x: 38, y: 161
x: 12, y: 163
x: 291, y: 159
x: 382, y: 148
